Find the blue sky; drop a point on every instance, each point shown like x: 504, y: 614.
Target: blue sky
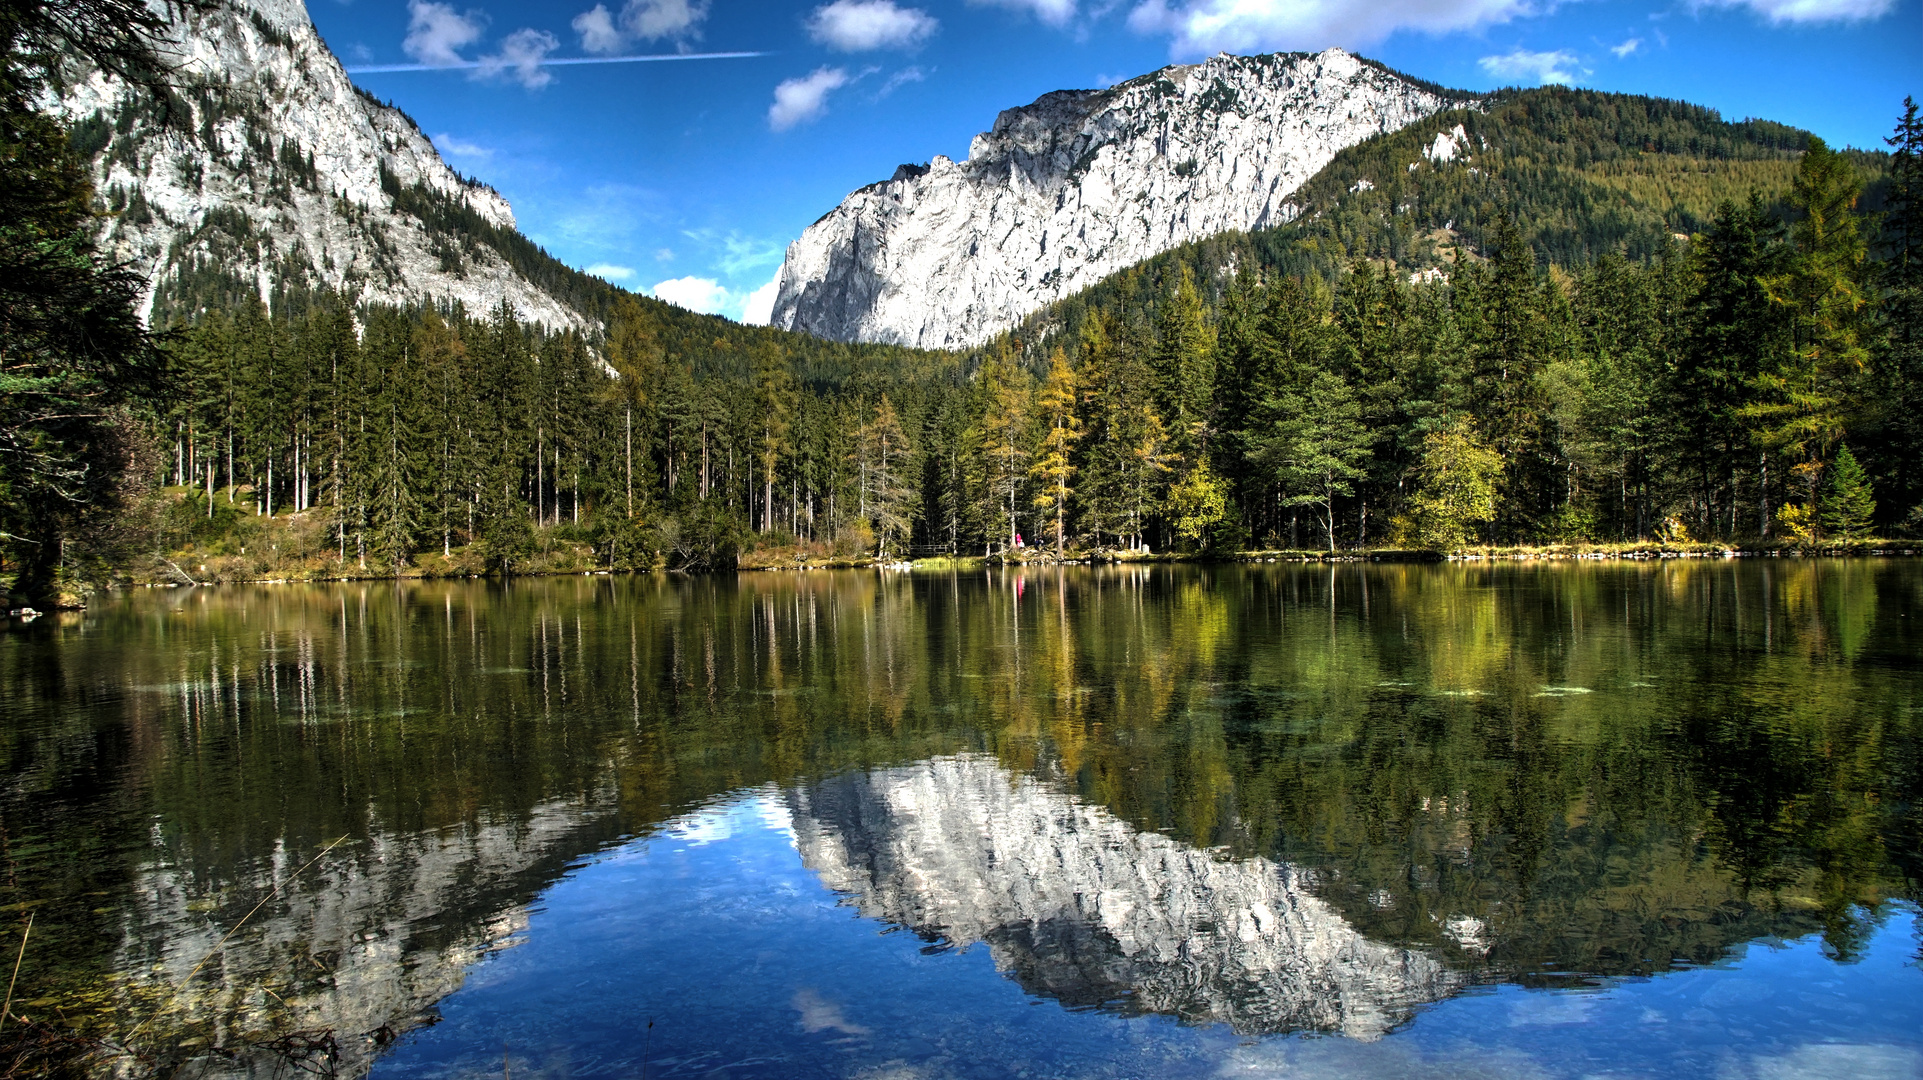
x: 687, y: 179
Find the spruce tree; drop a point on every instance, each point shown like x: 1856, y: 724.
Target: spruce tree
x: 1902, y: 366
x: 1801, y: 401
x: 1316, y: 446
x: 1734, y: 331
x: 1848, y: 505
x: 1183, y: 362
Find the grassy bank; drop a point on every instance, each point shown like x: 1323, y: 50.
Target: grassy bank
x: 176, y: 539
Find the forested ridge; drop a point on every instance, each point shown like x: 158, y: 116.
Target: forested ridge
x: 1599, y: 318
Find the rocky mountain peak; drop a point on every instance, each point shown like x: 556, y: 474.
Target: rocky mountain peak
x: 265, y: 168
x: 1081, y: 183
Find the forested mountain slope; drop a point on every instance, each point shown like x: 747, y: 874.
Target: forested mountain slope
x: 1580, y: 173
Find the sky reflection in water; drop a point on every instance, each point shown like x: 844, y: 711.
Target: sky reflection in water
x: 1366, y: 820
x: 747, y: 965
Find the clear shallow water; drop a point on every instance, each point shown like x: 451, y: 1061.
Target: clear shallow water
x: 1514, y: 821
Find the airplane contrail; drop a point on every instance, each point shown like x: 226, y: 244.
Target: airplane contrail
x: 556, y: 61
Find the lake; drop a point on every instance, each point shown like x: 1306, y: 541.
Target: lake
x: 1496, y: 820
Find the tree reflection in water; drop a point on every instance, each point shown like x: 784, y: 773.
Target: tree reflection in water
x: 1538, y: 773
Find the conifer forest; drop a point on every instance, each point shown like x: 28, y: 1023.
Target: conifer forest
x: 1552, y: 378
x: 1758, y: 381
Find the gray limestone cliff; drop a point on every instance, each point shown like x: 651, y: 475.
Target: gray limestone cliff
x: 1080, y: 184
x: 266, y: 166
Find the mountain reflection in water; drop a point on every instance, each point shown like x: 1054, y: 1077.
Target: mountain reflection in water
x: 1081, y: 907
x: 1252, y: 800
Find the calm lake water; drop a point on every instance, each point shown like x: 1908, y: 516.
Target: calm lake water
x: 1499, y: 821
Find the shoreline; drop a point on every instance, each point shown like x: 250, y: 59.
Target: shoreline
x: 436, y: 568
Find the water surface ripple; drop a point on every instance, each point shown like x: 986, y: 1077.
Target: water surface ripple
x: 1517, y: 821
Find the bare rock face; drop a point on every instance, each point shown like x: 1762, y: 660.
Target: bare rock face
x: 1082, y: 183
x: 1078, y: 905
x: 266, y: 162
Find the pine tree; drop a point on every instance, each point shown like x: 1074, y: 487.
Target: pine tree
x: 1508, y: 355
x: 1848, y: 505
x: 634, y: 352
x: 1733, y: 330
x: 75, y: 356
x: 1000, y: 439
x: 1803, y: 399
x: 1901, y: 370
x: 1184, y: 366
x: 774, y: 409
x: 1052, y: 469
x: 885, y: 457
x: 1316, y: 446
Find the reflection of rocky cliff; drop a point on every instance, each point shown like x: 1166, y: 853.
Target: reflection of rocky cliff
x: 1078, y: 905
x: 371, y: 937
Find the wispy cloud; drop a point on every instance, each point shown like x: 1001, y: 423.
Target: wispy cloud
x: 1052, y: 12
x: 436, y: 33
x: 1627, y: 48
x: 1204, y: 27
x: 745, y: 253
x: 863, y: 25
x: 1522, y: 67
x: 551, y: 61
x: 803, y: 99
x: 456, y: 147
x: 611, y: 272
x: 520, y: 58
x: 1811, y: 11
x: 900, y: 79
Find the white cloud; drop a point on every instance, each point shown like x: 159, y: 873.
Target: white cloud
x: 1627, y: 48
x: 453, y: 147
x: 1812, y: 11
x: 653, y: 20
x: 436, y: 32
x: 747, y: 253
x: 664, y: 254
x: 1052, y: 12
x: 520, y: 58
x: 611, y: 272
x: 1522, y: 67
x: 758, y: 307
x: 598, y: 32
x: 799, y: 100
x: 1205, y: 27
x: 605, y: 34
x: 898, y: 80
x: 696, y: 294
x: 861, y: 25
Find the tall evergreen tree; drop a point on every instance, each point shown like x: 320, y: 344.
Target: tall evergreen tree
x: 1900, y: 380
x: 1804, y: 397
x: 73, y: 351
x: 1849, y: 504
x: 1052, y: 470
x: 1734, y: 330
x: 1316, y: 446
